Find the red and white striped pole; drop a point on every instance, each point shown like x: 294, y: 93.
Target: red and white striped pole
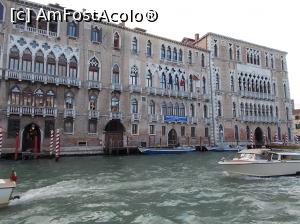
x: 251, y: 140
x: 57, y: 145
x: 1, y: 139
x: 286, y: 139
x: 276, y: 138
x: 51, y: 142
x: 296, y: 139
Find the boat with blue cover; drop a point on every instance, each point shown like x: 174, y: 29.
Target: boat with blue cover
x: 167, y: 150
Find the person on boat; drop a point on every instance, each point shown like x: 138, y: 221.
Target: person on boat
x: 13, y: 176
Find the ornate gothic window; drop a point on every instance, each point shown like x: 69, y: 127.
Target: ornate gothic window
x: 134, y: 106
x: 163, y: 81
x: 170, y: 108
x: 180, y: 55
x: 39, y: 98
x: 73, y: 67
x: 96, y: 34
x: 134, y: 47
x: 69, y: 100
x: 51, y: 64
x: 174, y: 54
x: 93, y: 70
x: 115, y: 104
x: 182, y: 109
x: 14, y: 57
x: 15, y: 95
x: 27, y: 97
x: 149, y: 78
x: 233, y: 109
x: 162, y: 52
x: 152, y: 107
x: 134, y: 75
x: 39, y: 62
x: 92, y: 102
x: 164, y: 108
x: 176, y: 109
x: 50, y: 99
x: 27, y: 60
x: 62, y: 65
x: 116, y: 74
x: 149, y: 48
x: 72, y: 29
x: 169, y: 53
x: 116, y: 40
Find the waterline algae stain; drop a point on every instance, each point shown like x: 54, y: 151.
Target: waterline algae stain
x: 146, y: 189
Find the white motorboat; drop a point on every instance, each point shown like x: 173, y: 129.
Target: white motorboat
x: 6, y: 189
x: 263, y: 163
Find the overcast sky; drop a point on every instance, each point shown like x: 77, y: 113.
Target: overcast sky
x: 271, y: 23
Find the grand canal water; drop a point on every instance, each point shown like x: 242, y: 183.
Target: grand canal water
x: 146, y: 189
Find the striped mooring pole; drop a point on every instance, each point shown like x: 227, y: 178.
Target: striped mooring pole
x: 57, y: 145
x: 286, y: 139
x: 251, y: 140
x: 296, y: 139
x: 1, y: 139
x: 276, y: 138
x: 51, y: 142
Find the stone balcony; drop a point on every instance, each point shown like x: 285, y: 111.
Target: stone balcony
x: 257, y: 95
x: 192, y: 120
x: 32, y: 111
x: 35, y: 30
x: 153, y: 117
x: 69, y: 113
x: 135, y: 88
x: 94, y: 114
x: 116, y: 87
x: 261, y: 119
x: 42, y: 78
x: 91, y: 84
x: 115, y: 115
x: 135, y: 117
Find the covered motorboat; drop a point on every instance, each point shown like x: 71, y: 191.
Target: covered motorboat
x: 166, y: 150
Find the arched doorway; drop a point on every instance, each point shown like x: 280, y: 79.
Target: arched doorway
x: 114, y: 134
x: 30, y: 133
x: 172, y: 138
x: 259, y: 138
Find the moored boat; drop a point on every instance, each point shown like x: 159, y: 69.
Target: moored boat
x: 166, y: 150
x: 225, y: 148
x: 263, y: 163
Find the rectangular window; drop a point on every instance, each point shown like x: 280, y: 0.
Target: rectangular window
x: 49, y: 125
x: 163, y: 130
x: 297, y: 126
x: 193, y: 131
x: 93, y: 126
x: 152, y: 129
x: 134, y: 129
x: 69, y: 126
x: 206, y: 132
x: 182, y: 131
x: 13, y: 127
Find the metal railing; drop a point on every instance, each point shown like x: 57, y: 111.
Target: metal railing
x: 32, y: 111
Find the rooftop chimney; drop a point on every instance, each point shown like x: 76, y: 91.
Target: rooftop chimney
x: 196, y: 36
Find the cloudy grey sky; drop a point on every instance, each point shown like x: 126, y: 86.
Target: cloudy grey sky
x: 270, y: 23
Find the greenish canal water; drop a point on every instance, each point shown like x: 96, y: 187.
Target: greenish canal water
x: 162, y: 189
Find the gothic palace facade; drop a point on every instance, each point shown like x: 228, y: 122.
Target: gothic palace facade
x: 106, y: 85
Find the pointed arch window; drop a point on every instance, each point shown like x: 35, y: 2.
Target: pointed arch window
x: 162, y: 52
x: 149, y: 78
x: 39, y: 62
x: 27, y: 97
x: 176, y: 83
x: 15, y: 95
x: 176, y: 109
x: 284, y: 91
x: 192, y: 110
x: 190, y: 59
x: 219, y: 108
x: 182, y: 83
x: 116, y: 40
x: 191, y: 83
x: 134, y: 46
x: 230, y: 54
x: 39, y: 98
x: 202, y: 60
x: 216, y: 50
x: 96, y: 34
x: 116, y: 74
x: 14, y: 57
x: 134, y: 106
x: 134, y: 73
x: 72, y: 29
x: 242, y: 109
x: 182, y: 109
x: 149, y: 48
x: 92, y: 102
x: 62, y: 65
x: 69, y: 100
x: 232, y: 83
x: 217, y: 82
x: 164, y: 108
x: 50, y: 99
x: 73, y: 68
x: 233, y: 109
x: 33, y: 21
x: 27, y: 60
x: 94, y: 70
x: 163, y: 81
x: 152, y: 107
x: 205, y: 111
x: 42, y: 26
x: 115, y: 104
x: 180, y: 55
x: 203, y: 85
x: 169, y: 53
x: 174, y: 54
x: 170, y: 109
x: 51, y: 64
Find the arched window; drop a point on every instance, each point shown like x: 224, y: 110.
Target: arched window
x: 174, y: 54
x: 50, y: 99
x: 164, y: 108
x: 276, y: 111
x: 182, y: 83
x: 219, y: 108
x: 51, y: 64
x: 170, y: 81
x: 251, y: 109
x: 274, y: 89
x: 33, y: 20
x: 134, y: 46
x: 180, y: 55
x: 62, y: 65
x: 115, y: 104
x: 14, y: 57
x: 258, y: 110
x: 93, y: 102
x: 248, y: 133
x: 176, y: 109
x: 271, y: 111
x: 134, y: 72
x: 267, y: 61
x: 233, y: 109
x: 246, y: 109
x: 263, y: 112
x: 236, y: 132
x: 163, y: 81
x: 73, y: 68
x: 202, y: 60
x: 255, y: 110
x: 203, y: 85
x: 242, y: 109
x: 190, y: 59
x: 52, y: 28
x: 93, y: 70
x: 232, y: 83
x: 96, y: 35
x: 169, y: 53
x: 27, y: 97
x: 69, y: 100
x: 162, y: 52
x: 39, y: 62
x: 176, y: 84
x: 152, y: 107
x: 39, y: 98
x: 149, y: 48
x: 230, y: 54
x: 238, y: 55
x: 217, y: 82
x: 15, y: 95
x: 170, y: 109
x: 72, y: 29
x: 287, y: 113
x: 216, y: 50
x: 282, y: 64
x: 1, y: 12
x: 267, y: 111
x: 42, y: 26
x: 116, y: 74
x: 192, y: 110
x: 191, y: 83
x: 272, y: 62
x: 27, y: 60
x: 116, y: 40
x: 182, y: 109
x: 134, y: 106
x: 149, y: 78
x: 284, y: 91
x: 205, y: 111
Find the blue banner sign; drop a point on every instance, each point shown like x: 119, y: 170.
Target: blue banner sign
x: 171, y: 118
